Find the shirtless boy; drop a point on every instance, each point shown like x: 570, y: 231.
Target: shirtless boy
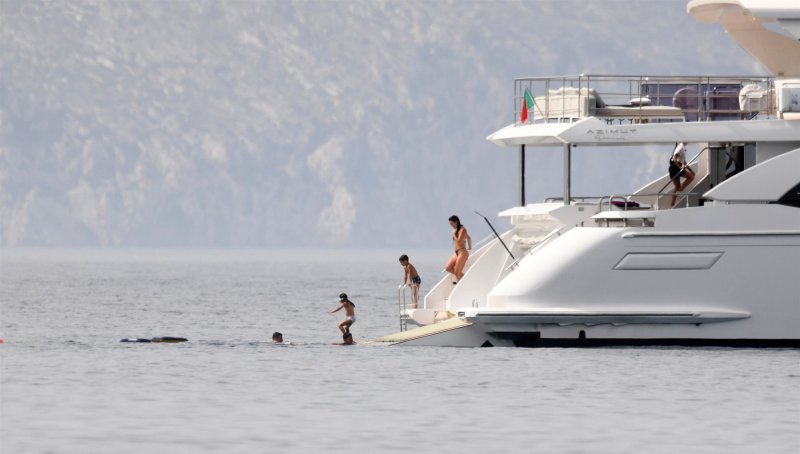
x: 350, y: 313
x: 411, y: 278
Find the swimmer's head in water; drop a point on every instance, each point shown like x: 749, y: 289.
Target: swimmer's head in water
x: 277, y: 337
x: 347, y: 338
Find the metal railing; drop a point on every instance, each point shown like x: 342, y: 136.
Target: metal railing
x: 403, y: 306
x: 583, y: 199
x: 628, y: 197
x: 537, y: 246
x: 625, y: 200
x: 641, y: 98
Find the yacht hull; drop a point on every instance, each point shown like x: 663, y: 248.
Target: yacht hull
x: 700, y: 285
x: 585, y: 336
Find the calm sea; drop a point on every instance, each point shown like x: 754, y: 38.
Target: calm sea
x: 67, y: 385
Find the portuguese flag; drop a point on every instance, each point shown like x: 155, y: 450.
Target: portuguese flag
x: 527, y: 103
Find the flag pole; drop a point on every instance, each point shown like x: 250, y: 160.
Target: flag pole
x: 522, y: 175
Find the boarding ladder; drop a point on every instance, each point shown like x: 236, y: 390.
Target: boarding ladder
x: 402, y: 305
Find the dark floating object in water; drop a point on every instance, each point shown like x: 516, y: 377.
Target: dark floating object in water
x: 170, y: 340
x: 160, y: 340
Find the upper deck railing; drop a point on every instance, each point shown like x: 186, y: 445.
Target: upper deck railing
x: 642, y: 99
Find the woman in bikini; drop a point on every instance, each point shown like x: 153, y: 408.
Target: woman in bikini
x: 462, y: 244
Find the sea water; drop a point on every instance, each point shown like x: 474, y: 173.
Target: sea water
x: 67, y: 385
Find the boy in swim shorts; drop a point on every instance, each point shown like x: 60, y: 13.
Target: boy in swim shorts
x: 411, y: 278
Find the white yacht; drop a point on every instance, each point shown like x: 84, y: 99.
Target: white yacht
x: 717, y: 265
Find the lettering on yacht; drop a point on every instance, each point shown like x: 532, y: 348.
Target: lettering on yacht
x: 612, y: 133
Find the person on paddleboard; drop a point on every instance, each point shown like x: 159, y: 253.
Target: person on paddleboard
x: 350, y: 313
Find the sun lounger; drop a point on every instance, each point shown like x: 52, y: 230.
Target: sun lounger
x: 574, y: 103
x: 639, y: 112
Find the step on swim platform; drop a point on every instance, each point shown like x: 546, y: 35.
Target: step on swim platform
x: 424, y: 331
x: 156, y: 340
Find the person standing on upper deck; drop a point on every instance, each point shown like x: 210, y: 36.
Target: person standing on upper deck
x: 462, y: 244
x: 678, y: 168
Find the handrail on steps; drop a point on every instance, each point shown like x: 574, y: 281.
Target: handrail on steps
x: 401, y: 303
x: 537, y: 246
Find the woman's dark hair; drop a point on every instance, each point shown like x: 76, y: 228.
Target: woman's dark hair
x: 455, y: 219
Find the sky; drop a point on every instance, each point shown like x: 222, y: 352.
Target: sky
x: 300, y: 124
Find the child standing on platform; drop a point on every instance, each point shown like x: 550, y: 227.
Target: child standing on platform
x: 411, y: 278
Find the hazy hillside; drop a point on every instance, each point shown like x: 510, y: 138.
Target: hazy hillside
x: 282, y: 124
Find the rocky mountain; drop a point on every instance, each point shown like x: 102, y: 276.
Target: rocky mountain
x: 301, y: 123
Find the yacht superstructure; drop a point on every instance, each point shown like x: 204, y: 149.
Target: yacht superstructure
x: 719, y: 267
